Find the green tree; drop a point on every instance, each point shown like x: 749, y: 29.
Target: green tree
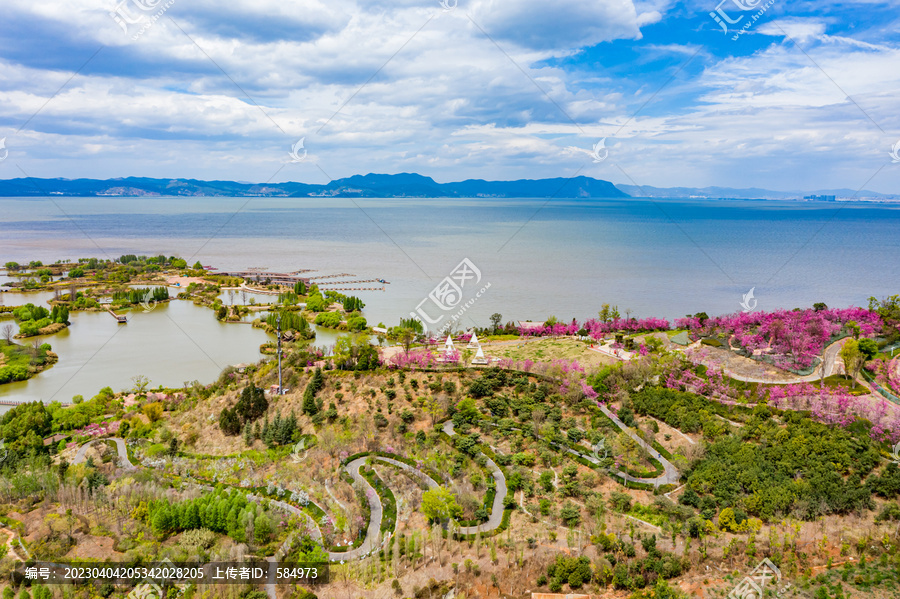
x: 496, y: 318
x: 853, y: 357
x: 439, y: 504
x: 869, y: 348
x: 466, y: 412
x: 262, y: 528
x: 310, y: 406
x: 229, y: 422
x: 153, y: 411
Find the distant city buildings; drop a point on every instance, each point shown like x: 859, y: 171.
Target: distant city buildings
x: 820, y: 198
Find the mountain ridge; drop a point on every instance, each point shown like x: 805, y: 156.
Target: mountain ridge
x: 401, y: 185
x: 370, y: 185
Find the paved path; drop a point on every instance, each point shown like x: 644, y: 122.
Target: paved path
x: 496, y: 516
x: 124, y: 462
x: 376, y: 513
x: 429, y: 482
x: 829, y: 364
x: 670, y: 476
x: 372, y: 539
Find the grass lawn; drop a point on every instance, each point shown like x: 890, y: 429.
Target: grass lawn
x: 548, y: 349
x: 837, y: 380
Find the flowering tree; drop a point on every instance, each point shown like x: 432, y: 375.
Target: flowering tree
x: 791, y: 339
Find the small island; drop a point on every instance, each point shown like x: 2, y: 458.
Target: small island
x: 21, y: 362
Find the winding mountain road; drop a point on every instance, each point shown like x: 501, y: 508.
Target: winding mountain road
x: 372, y: 540
x: 124, y: 462
x: 496, y: 516
x: 376, y: 513
x: 670, y: 476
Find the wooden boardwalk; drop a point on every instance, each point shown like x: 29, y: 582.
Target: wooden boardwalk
x: 121, y: 319
x: 355, y: 282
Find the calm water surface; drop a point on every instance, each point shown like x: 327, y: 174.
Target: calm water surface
x: 564, y: 257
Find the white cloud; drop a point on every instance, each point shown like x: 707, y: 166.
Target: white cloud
x: 563, y: 25
x: 799, y: 30
x: 446, y: 101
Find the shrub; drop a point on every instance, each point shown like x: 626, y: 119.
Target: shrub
x: 570, y: 514
x: 357, y: 323
x: 153, y: 411
x: 330, y: 320
x: 575, y: 435
x: 619, y: 501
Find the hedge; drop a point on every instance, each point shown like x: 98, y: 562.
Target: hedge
x: 388, y: 502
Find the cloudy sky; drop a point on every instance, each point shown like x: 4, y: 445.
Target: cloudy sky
x: 794, y: 95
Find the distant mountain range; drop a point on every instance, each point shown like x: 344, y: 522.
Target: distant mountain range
x: 403, y: 185
x: 750, y: 193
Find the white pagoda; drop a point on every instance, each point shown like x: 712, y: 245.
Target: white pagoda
x: 473, y: 342
x: 479, y: 357
x: 449, y: 351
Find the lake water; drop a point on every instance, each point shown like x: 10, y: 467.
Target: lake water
x: 563, y: 257
x: 174, y: 343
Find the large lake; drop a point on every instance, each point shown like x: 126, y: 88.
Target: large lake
x: 561, y: 257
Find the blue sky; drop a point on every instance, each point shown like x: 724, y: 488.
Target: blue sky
x: 808, y: 97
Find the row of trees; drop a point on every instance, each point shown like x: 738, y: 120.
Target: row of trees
x: 227, y: 513
x: 281, y: 431
x: 138, y: 296
x: 291, y: 321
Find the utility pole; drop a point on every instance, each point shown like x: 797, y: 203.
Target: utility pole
x: 278, y: 321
